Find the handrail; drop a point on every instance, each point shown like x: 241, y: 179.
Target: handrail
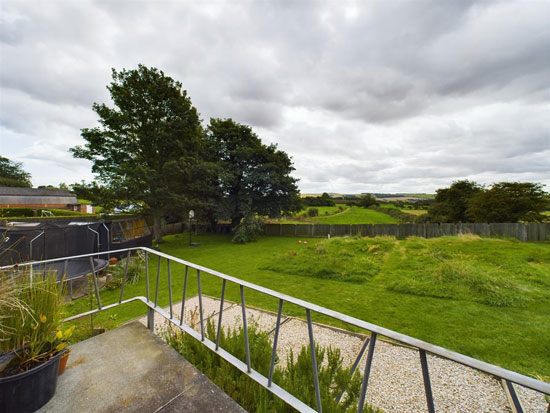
x: 423, y: 347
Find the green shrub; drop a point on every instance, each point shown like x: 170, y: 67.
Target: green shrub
x: 296, y: 378
x: 136, y: 267
x: 248, y: 230
x: 15, y: 212
x: 313, y: 212
x: 60, y: 212
x: 401, y: 216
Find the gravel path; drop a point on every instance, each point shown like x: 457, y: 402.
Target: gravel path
x: 395, y: 383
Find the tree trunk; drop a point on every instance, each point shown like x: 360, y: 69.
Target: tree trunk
x: 157, y: 233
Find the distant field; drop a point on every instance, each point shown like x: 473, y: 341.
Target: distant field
x: 414, y: 211
x: 356, y: 215
x: 350, y: 215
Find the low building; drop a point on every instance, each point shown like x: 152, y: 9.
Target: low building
x: 38, y: 198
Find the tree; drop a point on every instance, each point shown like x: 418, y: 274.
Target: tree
x: 367, y: 200
x: 254, y: 178
x: 323, y: 200
x: 147, y: 150
x: 509, y: 202
x: 12, y: 174
x: 451, y: 203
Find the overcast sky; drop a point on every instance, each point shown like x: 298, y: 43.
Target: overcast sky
x: 378, y: 96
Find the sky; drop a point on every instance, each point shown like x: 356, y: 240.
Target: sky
x: 377, y: 96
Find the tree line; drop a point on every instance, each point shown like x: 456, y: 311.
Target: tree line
x: 467, y: 201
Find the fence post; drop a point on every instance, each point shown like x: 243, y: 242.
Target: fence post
x: 151, y: 319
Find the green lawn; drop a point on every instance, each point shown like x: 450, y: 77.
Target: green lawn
x: 486, y: 298
x: 350, y: 215
x: 416, y: 212
x: 356, y: 215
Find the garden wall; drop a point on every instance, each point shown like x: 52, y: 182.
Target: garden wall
x: 532, y: 231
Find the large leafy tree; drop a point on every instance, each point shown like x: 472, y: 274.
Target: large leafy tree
x: 148, y: 148
x: 254, y: 178
x: 509, y: 202
x: 451, y: 203
x: 12, y: 174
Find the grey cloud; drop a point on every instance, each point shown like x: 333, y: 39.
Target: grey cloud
x: 364, y: 96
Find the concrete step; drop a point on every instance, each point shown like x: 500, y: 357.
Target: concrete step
x: 129, y: 369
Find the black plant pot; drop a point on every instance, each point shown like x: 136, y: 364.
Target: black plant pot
x: 29, y: 391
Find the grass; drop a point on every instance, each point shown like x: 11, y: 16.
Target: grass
x: 416, y: 212
x: 350, y: 215
x: 486, y: 298
x: 356, y: 215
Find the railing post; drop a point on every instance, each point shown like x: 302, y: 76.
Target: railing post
x: 368, y: 365
x: 275, y: 339
x: 124, y: 277
x: 151, y: 319
x: 96, y: 287
x: 245, y: 328
x: 427, y: 384
x: 220, y: 317
x: 169, y: 286
x: 183, y: 295
x: 157, y: 286
x: 200, y: 303
x: 314, y: 361
x: 147, y: 275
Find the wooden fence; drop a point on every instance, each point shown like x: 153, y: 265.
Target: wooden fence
x: 174, y: 228
x: 532, y: 231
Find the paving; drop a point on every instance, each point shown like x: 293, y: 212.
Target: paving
x: 129, y: 369
x: 396, y: 383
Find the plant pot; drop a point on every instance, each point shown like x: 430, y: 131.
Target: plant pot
x: 112, y: 261
x: 63, y: 361
x: 28, y: 391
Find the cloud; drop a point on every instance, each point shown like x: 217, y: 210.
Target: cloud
x: 377, y: 96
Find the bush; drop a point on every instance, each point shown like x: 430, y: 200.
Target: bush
x: 136, y: 267
x: 15, y: 212
x: 296, y: 378
x: 248, y: 230
x: 313, y: 212
x: 403, y: 217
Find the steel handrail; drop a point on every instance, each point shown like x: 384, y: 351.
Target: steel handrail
x: 422, y: 346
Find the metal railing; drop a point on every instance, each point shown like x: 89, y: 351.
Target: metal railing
x: 508, y: 377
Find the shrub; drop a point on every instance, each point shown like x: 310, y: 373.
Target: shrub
x: 296, y: 377
x: 16, y: 212
x: 136, y: 267
x: 313, y: 212
x: 248, y: 230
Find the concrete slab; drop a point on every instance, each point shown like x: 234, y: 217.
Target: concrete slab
x: 131, y: 370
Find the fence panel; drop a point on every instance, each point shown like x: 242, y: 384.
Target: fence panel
x: 532, y: 231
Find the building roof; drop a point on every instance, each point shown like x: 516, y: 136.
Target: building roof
x: 6, y: 190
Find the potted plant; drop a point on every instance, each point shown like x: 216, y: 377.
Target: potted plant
x: 63, y: 337
x: 31, y: 311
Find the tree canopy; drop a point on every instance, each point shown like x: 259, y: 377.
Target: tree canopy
x: 466, y: 201
x: 451, y: 203
x: 148, y: 149
x: 12, y: 174
x: 254, y: 178
x: 367, y: 200
x: 509, y: 202
x: 323, y: 200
